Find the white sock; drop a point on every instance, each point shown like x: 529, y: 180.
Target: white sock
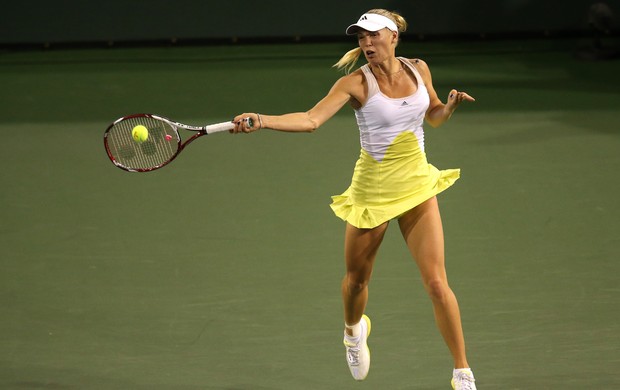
x: 356, y: 330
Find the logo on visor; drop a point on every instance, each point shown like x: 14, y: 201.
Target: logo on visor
x: 363, y: 18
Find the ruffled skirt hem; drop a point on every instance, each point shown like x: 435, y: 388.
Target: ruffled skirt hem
x: 370, y: 216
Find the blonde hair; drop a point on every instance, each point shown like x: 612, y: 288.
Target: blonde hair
x: 348, y: 60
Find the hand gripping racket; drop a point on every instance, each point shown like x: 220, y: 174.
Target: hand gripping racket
x: 156, y: 148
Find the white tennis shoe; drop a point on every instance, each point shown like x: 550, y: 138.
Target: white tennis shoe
x: 463, y: 379
x: 358, y: 354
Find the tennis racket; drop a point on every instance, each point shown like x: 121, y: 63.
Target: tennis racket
x: 156, y: 149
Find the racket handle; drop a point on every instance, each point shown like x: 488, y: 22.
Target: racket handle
x: 224, y: 126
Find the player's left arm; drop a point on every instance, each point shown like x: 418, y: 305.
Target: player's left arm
x: 438, y: 112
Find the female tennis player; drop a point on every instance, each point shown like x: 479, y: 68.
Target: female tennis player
x: 391, y: 97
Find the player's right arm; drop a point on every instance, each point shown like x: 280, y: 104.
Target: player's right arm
x: 342, y: 92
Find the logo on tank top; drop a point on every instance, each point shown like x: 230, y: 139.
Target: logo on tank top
x: 404, y: 103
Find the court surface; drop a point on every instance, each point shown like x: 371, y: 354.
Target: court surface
x: 222, y: 271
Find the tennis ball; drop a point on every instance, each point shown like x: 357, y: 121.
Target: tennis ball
x: 140, y: 134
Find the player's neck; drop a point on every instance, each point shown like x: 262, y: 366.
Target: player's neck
x: 387, y: 70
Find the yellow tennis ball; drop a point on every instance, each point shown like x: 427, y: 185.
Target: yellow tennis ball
x: 140, y: 134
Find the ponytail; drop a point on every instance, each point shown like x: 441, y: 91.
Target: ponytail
x: 347, y: 62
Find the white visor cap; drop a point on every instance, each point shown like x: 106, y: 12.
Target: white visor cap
x: 372, y: 22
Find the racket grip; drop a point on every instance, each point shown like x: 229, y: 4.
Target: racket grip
x: 225, y: 126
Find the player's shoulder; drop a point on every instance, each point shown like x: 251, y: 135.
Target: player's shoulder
x: 351, y: 80
x: 354, y: 76
x: 420, y: 65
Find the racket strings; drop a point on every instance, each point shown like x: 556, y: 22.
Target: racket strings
x: 161, y: 145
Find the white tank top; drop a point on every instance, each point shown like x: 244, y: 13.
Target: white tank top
x: 382, y: 119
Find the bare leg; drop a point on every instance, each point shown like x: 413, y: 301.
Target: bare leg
x: 423, y: 232
x: 360, y: 250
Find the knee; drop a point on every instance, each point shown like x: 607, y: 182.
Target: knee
x: 355, y: 285
x: 438, y: 289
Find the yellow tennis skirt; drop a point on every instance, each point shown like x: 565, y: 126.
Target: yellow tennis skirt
x: 381, y: 191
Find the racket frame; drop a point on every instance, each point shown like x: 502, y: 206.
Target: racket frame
x: 200, y: 131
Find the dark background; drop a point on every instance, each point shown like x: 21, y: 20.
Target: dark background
x: 29, y: 22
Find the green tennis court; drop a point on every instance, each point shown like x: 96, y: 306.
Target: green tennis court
x: 222, y: 271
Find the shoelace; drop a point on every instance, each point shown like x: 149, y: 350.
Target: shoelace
x: 353, y: 356
x: 464, y: 381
